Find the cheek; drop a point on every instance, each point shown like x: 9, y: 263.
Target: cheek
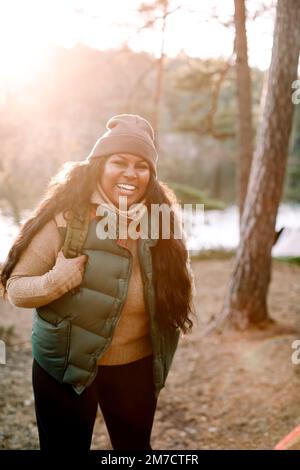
x: 109, y: 175
x: 144, y: 178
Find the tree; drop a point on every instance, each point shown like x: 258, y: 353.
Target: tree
x: 244, y: 99
x: 246, y: 298
x: 155, y: 12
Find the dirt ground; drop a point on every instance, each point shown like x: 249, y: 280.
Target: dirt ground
x: 224, y: 391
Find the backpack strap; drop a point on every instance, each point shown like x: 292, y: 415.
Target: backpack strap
x: 76, y: 232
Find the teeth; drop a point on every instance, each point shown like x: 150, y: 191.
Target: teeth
x: 126, y: 186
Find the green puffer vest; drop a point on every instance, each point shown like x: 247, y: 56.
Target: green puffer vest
x: 70, y: 334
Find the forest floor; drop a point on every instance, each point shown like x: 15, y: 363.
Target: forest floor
x: 235, y: 390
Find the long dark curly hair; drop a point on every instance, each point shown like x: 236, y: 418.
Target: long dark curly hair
x: 172, y: 277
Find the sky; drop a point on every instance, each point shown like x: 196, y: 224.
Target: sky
x: 28, y: 29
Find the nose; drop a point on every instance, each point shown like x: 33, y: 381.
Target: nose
x: 130, y: 171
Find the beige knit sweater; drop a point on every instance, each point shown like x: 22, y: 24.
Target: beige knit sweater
x: 37, y: 279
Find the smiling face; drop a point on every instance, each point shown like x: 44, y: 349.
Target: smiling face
x: 125, y: 175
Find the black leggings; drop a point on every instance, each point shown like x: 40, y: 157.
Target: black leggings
x: 126, y: 397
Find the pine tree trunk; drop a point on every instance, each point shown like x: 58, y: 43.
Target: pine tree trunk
x: 246, y: 299
x: 244, y: 99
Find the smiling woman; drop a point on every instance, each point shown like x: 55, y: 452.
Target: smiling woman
x: 108, y: 312
x: 125, y: 175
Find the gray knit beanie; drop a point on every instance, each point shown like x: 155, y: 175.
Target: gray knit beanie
x: 127, y: 133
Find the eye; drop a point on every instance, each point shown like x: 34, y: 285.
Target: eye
x: 143, y: 166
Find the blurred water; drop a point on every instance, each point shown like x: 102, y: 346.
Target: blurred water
x: 214, y: 229
x: 220, y: 230
x: 8, y: 231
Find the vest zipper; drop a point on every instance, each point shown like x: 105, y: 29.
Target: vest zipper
x: 117, y: 321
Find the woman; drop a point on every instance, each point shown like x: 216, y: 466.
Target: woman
x: 106, y: 322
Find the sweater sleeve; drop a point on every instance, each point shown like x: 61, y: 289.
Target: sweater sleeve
x: 35, y: 280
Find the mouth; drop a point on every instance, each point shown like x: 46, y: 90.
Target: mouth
x: 126, y: 188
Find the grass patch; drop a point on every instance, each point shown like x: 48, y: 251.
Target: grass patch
x: 288, y: 259
x: 7, y: 333
x: 212, y: 254
x: 227, y: 254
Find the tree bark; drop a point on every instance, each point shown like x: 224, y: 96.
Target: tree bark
x: 160, y: 72
x: 244, y: 99
x: 246, y: 299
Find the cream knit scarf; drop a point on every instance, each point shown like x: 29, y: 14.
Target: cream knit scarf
x: 135, y: 212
